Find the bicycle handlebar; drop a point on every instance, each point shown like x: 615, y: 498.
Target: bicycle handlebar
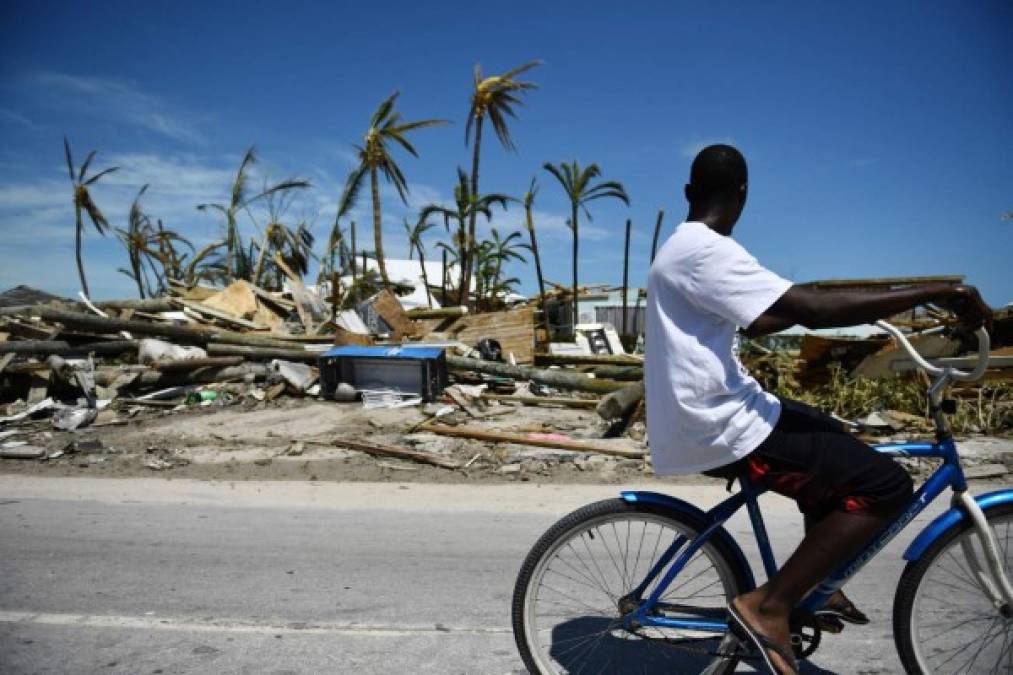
x: 984, y: 344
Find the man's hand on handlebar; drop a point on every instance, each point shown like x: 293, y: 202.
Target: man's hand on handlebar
x: 971, y: 310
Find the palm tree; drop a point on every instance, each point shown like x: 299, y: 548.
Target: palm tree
x: 385, y: 126
x: 529, y: 221
x: 577, y: 184
x: 500, y: 250
x: 84, y: 202
x: 467, y: 206
x: 148, y: 243
x: 496, y: 97
x: 415, y: 234
x: 238, y: 262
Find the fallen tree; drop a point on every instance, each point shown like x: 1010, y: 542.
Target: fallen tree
x: 555, y: 378
x: 621, y: 402
x: 190, y: 335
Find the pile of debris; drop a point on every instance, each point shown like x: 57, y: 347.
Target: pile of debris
x: 67, y: 366
x: 445, y: 388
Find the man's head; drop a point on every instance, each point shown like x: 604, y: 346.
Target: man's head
x: 717, y: 188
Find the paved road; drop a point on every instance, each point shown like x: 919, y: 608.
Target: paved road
x: 154, y: 576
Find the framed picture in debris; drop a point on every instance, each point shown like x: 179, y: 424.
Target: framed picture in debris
x: 421, y: 371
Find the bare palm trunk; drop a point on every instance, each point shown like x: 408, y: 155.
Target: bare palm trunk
x: 139, y: 274
x: 576, y: 240
x: 538, y: 270
x: 425, y: 278
x: 626, y: 275
x: 657, y: 231
x: 443, y: 281
x: 77, y: 249
x: 230, y: 244
x: 468, y: 265
x: 355, y: 263
x: 262, y: 257
x: 378, y: 227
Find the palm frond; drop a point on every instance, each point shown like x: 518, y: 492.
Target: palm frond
x: 85, y: 165
x: 94, y: 178
x: 70, y: 160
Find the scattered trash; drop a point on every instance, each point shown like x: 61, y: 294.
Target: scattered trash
x: 69, y: 419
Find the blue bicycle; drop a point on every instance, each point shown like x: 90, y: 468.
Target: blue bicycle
x: 640, y: 583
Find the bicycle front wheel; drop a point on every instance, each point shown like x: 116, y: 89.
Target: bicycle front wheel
x: 569, y: 598
x: 944, y: 622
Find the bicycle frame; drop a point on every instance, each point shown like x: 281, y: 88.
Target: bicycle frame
x: 948, y: 475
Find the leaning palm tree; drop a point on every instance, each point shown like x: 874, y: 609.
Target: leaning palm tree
x: 467, y: 206
x: 577, y: 184
x: 238, y: 261
x: 84, y: 202
x: 415, y: 234
x: 494, y: 97
x: 385, y: 126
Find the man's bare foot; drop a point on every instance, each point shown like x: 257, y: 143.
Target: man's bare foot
x: 772, y: 622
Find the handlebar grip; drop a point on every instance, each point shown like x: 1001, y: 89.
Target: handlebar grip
x: 984, y: 345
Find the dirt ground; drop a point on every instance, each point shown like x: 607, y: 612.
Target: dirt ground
x: 295, y: 439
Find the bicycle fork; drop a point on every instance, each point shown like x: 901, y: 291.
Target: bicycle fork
x: 993, y: 581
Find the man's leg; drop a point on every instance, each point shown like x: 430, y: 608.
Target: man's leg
x: 830, y: 542
x: 826, y: 472
x: 839, y: 604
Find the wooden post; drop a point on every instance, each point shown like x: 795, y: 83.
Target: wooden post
x: 626, y: 273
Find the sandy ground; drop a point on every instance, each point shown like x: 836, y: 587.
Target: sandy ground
x: 294, y: 439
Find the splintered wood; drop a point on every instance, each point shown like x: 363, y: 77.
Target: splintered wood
x: 513, y: 329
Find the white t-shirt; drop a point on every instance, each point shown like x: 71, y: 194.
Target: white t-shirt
x: 703, y: 409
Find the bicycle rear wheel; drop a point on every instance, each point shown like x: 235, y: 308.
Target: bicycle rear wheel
x: 943, y: 621
x: 566, y: 614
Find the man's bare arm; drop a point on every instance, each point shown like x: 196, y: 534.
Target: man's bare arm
x: 814, y: 308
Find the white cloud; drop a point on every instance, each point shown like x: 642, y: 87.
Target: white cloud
x: 9, y: 116
x: 114, y: 99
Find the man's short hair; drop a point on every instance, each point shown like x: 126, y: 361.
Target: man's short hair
x: 718, y: 172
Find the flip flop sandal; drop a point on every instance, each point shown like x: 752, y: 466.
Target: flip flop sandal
x: 845, y: 610
x: 761, y: 642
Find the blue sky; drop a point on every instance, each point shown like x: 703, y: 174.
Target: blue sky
x: 878, y: 135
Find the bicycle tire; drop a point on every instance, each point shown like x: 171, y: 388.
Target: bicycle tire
x: 538, y: 658
x: 918, y: 614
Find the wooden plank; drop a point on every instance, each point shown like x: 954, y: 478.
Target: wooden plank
x: 537, y: 440
x: 391, y: 451
x: 389, y: 308
x: 513, y: 329
x: 207, y: 311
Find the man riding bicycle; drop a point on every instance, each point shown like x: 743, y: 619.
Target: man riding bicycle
x: 706, y: 414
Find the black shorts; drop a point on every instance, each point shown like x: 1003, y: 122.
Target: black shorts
x: 811, y: 458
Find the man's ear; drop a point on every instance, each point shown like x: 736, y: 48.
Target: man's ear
x: 688, y: 191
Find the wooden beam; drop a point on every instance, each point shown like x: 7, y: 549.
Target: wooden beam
x: 537, y: 440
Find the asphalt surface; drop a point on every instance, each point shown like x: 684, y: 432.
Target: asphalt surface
x: 156, y: 576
